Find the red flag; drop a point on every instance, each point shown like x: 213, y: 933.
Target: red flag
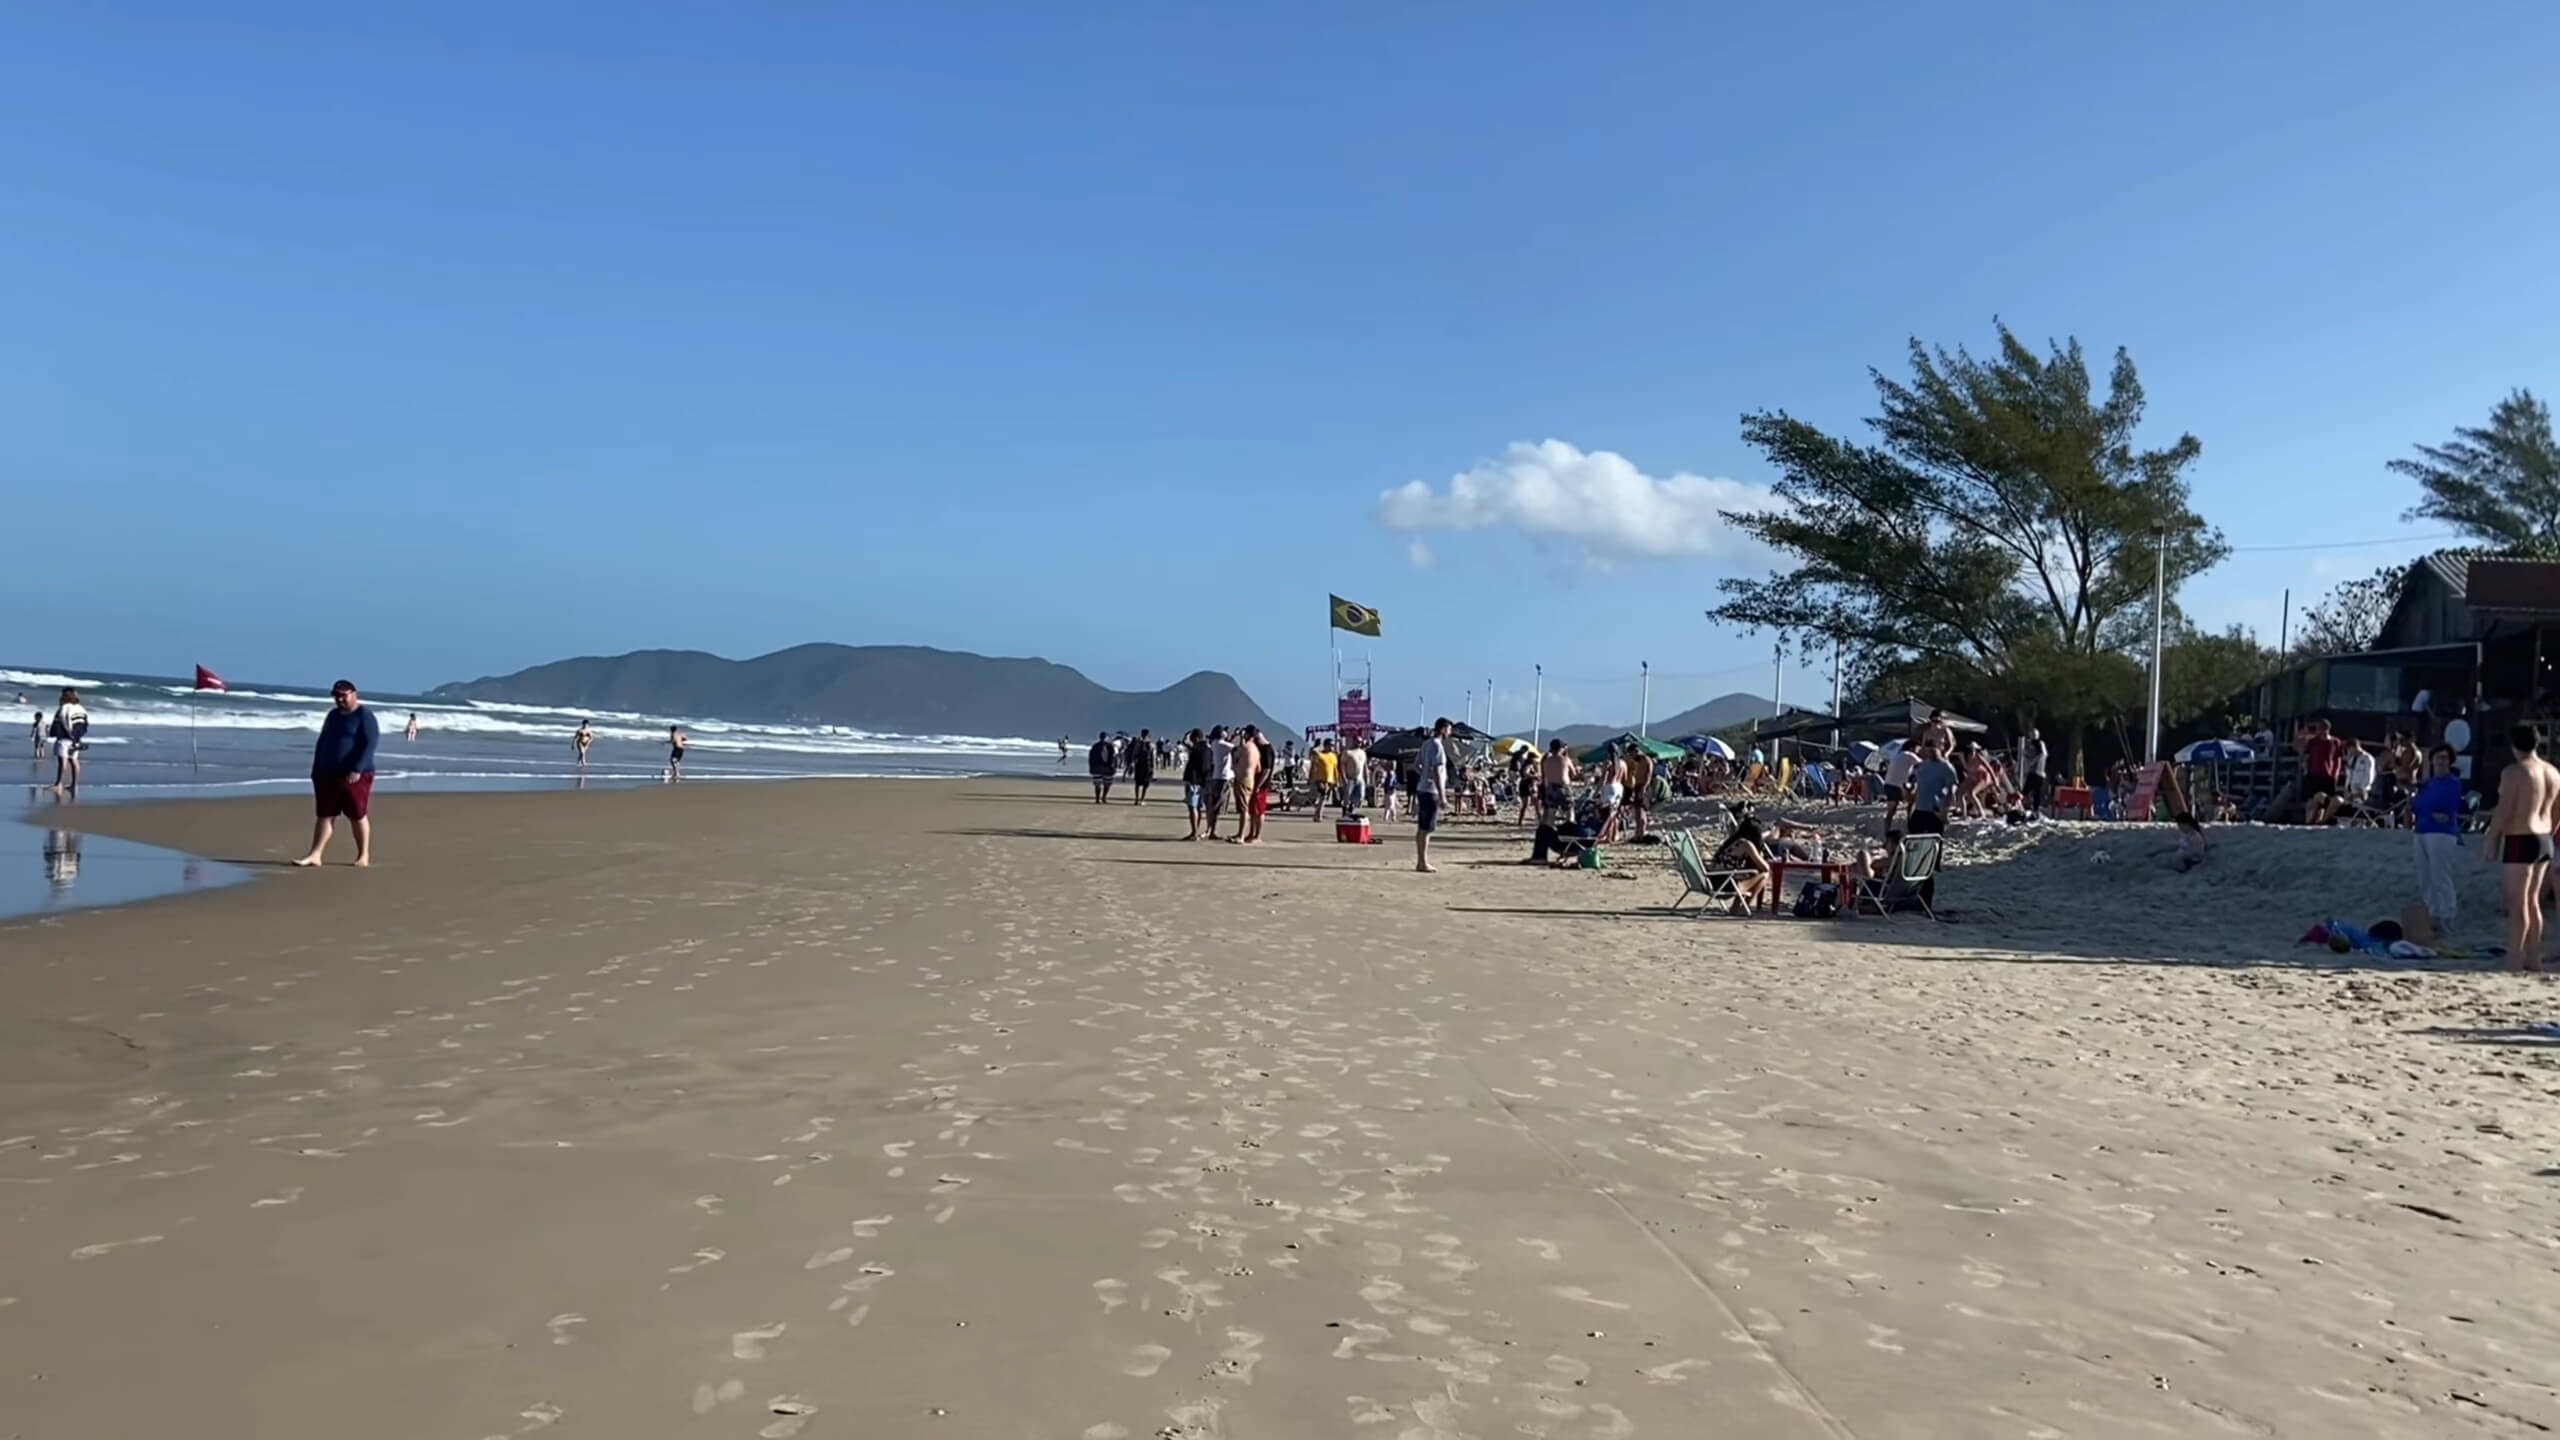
x: 207, y: 680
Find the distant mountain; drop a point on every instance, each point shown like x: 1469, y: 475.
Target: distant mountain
x: 893, y: 689
x: 1700, y: 720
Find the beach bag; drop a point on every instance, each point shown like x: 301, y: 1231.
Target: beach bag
x: 1817, y: 901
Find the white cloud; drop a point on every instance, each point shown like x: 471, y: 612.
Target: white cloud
x: 1595, y: 501
x: 1421, y: 556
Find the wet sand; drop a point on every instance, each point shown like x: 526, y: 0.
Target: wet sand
x: 878, y: 1108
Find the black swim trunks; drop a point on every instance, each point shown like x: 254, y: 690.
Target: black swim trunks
x: 2526, y: 850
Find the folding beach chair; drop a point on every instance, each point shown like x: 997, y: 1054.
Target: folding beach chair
x: 1721, y: 887
x: 1911, y: 872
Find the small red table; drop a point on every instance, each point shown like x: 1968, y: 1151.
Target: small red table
x: 1832, y: 870
x: 2074, y: 797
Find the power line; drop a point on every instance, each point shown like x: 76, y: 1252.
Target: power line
x: 2343, y: 544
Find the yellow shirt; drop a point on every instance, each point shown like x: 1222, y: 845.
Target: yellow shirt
x: 1320, y: 766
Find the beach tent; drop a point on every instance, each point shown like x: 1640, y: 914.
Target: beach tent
x: 1706, y: 745
x: 1399, y: 744
x: 1899, y: 716
x: 1795, y: 724
x: 1658, y: 749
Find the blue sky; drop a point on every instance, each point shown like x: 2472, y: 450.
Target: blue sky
x: 420, y: 348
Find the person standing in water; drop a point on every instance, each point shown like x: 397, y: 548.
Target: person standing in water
x: 342, y: 774
x: 70, y: 732
x: 579, y: 742
x: 675, y: 753
x: 413, y: 727
x: 2519, y: 841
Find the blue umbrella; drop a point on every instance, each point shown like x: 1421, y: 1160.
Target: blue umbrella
x: 2206, y: 750
x: 1862, y: 751
x: 1706, y: 745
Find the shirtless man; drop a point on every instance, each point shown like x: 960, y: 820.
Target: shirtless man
x: 1555, y: 783
x: 585, y: 737
x: 1639, y: 771
x: 2520, y: 839
x: 1247, y: 780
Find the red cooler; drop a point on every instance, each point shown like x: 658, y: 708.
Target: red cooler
x: 1352, y: 832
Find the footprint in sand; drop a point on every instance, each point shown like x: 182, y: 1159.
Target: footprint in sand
x: 1146, y: 1360
x: 1673, y: 1373
x: 749, y: 1344
x: 1576, y: 1292
x: 291, y: 1194
x: 705, y: 1396
x: 1112, y: 1293
x: 795, y: 1413
x: 869, y: 1229
x: 560, y: 1326
x: 1546, y: 1249
x: 707, y: 1204
x: 825, y: 1258
x: 700, y: 1259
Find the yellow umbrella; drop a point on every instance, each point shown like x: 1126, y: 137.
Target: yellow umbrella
x: 1509, y: 743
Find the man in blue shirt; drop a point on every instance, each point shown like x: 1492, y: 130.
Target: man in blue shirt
x: 342, y: 773
x: 1933, y: 782
x: 2437, y: 813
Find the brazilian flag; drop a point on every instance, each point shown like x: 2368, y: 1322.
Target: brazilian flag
x: 1358, y: 619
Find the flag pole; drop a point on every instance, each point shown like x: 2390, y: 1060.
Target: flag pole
x: 193, y: 765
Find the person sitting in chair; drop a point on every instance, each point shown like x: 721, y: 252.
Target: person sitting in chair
x: 1742, y: 853
x: 1560, y: 842
x: 1872, y: 864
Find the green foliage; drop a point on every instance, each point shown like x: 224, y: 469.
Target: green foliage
x: 2349, y: 618
x: 2200, y: 672
x: 1993, y: 546
x: 2500, y: 484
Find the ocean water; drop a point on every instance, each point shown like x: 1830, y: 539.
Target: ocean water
x: 157, y: 737
x: 154, y: 737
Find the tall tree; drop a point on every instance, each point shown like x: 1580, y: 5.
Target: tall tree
x: 2350, y: 618
x: 2499, y: 484
x: 2003, y: 523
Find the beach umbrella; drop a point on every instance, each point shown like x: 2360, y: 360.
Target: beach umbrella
x: 1509, y: 743
x: 1879, y: 756
x: 1706, y: 745
x: 1863, y: 752
x: 2203, y: 751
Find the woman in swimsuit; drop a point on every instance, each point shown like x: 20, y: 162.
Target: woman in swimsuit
x: 675, y: 753
x: 585, y: 737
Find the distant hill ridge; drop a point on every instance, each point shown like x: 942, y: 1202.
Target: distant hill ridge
x: 897, y: 689
x: 1704, y: 719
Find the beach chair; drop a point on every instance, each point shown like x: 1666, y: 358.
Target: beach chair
x: 1721, y: 887
x: 1910, y: 873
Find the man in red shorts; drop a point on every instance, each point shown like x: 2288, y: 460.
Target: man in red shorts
x: 342, y: 773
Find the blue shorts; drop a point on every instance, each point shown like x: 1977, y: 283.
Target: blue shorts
x: 1426, y: 813
x: 1191, y: 797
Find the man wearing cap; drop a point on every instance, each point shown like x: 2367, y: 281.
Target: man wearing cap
x: 342, y: 773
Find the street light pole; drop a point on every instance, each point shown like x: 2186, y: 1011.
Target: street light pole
x: 2159, y: 625
x: 1644, y: 707
x: 1538, y: 710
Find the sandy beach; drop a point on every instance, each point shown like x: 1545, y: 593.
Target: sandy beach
x: 971, y: 1109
